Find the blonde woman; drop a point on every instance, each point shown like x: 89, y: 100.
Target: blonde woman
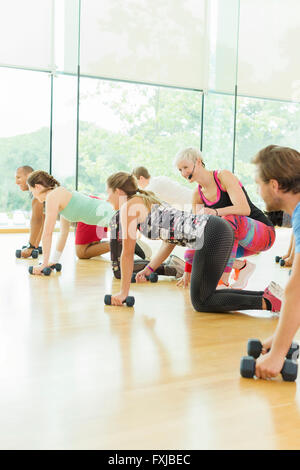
x: 220, y: 193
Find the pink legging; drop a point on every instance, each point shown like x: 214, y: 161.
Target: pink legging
x: 250, y: 237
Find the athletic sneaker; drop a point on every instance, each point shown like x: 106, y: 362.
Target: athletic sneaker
x: 177, y: 263
x: 241, y: 276
x: 143, y: 250
x: 274, y: 294
x: 276, y: 290
x: 222, y: 285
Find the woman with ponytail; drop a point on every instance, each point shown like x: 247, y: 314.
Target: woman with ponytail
x: 211, y: 237
x: 90, y: 213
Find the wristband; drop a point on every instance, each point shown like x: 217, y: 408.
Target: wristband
x: 149, y: 267
x: 187, y: 267
x: 217, y: 214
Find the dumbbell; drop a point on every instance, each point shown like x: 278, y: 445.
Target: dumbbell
x: 129, y: 300
x: 289, y: 371
x: 47, y: 271
x: 282, y: 262
x: 254, y: 349
x: 34, y: 253
x: 277, y: 259
x: 153, y: 277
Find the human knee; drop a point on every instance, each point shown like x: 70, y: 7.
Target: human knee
x: 81, y: 251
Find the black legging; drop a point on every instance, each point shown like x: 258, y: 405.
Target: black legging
x: 208, y: 266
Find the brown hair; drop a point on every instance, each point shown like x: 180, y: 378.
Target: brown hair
x: 281, y: 164
x: 141, y: 171
x: 43, y: 178
x: 128, y: 183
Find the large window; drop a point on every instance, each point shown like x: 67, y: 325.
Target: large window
x: 261, y: 123
x: 24, y: 136
x: 126, y: 125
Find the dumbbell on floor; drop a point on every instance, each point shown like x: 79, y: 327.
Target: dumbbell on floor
x: 48, y: 269
x: 254, y: 349
x: 153, y: 277
x: 289, y: 371
x: 129, y: 300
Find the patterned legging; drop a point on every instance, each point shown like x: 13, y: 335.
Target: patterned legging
x: 250, y: 237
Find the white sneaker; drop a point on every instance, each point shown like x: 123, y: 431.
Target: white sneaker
x: 143, y: 250
x: 177, y: 263
x: 276, y: 290
x: 242, y: 276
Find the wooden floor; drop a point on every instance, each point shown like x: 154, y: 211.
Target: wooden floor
x: 75, y: 374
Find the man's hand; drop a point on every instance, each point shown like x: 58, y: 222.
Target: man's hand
x: 26, y: 252
x: 268, y: 366
x: 267, y: 344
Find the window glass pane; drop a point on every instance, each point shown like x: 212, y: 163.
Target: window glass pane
x: 218, y: 131
x: 64, y: 127
x: 222, y: 37
x: 66, y: 34
x: 125, y: 125
x: 26, y: 33
x: 261, y: 123
x: 269, y: 65
x: 144, y: 40
x: 24, y: 134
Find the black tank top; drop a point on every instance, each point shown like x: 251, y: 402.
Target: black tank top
x: 223, y: 200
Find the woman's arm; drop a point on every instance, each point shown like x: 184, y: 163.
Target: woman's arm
x: 239, y: 201
x: 36, y: 222
x: 197, y: 203
x: 162, y: 254
x: 270, y: 364
x: 128, y: 222
x: 61, y: 242
x: 52, y: 209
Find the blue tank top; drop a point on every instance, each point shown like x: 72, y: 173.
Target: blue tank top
x: 296, y: 227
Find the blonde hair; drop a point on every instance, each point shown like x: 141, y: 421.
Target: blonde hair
x: 43, y: 178
x: 190, y: 153
x: 128, y: 183
x: 281, y: 164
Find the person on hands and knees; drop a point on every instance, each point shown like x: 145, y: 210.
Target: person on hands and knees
x: 37, y: 212
x: 278, y: 180
x: 221, y: 194
x: 71, y: 206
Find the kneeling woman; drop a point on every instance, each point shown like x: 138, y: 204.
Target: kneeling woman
x: 72, y: 207
x: 210, y: 236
